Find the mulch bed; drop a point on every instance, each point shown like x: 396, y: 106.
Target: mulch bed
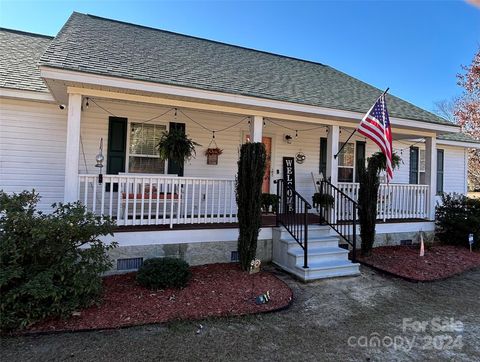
x: 439, y: 262
x: 214, y: 290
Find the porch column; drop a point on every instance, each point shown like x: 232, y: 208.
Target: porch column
x: 431, y: 173
x: 73, y: 147
x: 256, y: 129
x: 332, y: 149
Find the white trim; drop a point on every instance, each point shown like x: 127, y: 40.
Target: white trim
x: 404, y: 227
x: 134, y: 238
x: 143, y: 86
x: 72, y: 147
x: 26, y: 94
x: 458, y: 143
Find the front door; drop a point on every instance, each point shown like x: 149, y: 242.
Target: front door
x: 267, y: 142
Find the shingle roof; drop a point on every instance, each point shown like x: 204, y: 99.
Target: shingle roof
x: 458, y: 137
x: 96, y: 45
x: 19, y: 55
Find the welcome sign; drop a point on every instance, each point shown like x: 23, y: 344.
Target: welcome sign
x: 289, y: 179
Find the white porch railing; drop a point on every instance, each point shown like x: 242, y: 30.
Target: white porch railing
x: 395, y: 201
x: 160, y: 200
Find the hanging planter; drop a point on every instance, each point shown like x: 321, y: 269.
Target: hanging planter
x: 212, y: 153
x: 176, y: 146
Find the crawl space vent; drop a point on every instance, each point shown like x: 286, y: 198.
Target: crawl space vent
x: 129, y: 264
x: 234, y: 256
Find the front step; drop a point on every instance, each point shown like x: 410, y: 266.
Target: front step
x: 325, y: 258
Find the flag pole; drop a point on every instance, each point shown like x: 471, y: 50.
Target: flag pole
x: 355, y: 130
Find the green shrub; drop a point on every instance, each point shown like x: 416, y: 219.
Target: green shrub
x: 456, y: 217
x: 160, y: 273
x: 269, y: 200
x: 50, y: 265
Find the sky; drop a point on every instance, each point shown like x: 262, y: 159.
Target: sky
x: 414, y: 47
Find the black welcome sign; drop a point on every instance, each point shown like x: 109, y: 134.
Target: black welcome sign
x: 289, y: 183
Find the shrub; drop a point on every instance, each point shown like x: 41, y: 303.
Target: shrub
x: 369, y: 179
x: 50, y: 265
x: 269, y: 200
x: 456, y: 217
x: 160, y: 273
x: 251, y: 169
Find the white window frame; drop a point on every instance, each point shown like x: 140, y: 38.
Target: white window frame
x: 420, y: 153
x: 129, y: 131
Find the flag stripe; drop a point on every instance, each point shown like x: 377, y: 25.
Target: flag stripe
x: 376, y: 126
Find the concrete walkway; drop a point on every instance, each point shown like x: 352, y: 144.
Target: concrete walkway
x: 329, y: 320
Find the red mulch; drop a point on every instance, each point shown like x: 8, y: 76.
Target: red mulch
x: 439, y: 262
x: 214, y: 290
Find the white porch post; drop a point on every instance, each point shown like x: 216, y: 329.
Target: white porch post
x: 256, y: 129
x: 73, y: 147
x: 332, y: 149
x: 431, y: 173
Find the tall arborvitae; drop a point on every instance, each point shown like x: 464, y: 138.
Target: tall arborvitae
x: 251, y: 169
x: 368, y: 196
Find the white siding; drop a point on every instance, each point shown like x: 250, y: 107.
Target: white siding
x: 32, y: 149
x: 454, y: 179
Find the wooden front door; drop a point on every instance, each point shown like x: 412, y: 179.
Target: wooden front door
x: 267, y: 141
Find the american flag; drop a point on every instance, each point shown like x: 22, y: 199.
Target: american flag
x: 376, y: 126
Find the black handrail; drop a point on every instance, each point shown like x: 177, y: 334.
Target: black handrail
x: 292, y: 213
x: 339, y: 211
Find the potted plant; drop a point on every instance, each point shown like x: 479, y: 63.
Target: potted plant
x: 269, y: 201
x: 176, y: 146
x: 325, y: 200
x: 212, y: 154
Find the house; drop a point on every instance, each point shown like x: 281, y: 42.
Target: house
x: 108, y: 87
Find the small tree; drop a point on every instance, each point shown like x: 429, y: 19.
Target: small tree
x: 251, y: 169
x: 369, y: 179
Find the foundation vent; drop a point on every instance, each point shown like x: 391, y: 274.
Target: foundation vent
x: 406, y: 242
x: 234, y: 256
x: 129, y: 264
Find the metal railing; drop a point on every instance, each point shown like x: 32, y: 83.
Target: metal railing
x: 292, y: 213
x: 339, y: 211
x: 159, y: 199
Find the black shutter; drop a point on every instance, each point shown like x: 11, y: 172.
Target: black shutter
x: 360, y: 157
x: 117, y: 145
x: 413, y: 165
x: 323, y: 157
x: 440, y: 169
x: 175, y: 167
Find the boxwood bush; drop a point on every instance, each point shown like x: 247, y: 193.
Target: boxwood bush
x: 456, y: 217
x: 160, y: 273
x: 50, y: 265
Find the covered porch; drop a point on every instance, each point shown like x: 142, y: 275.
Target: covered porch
x: 205, y: 193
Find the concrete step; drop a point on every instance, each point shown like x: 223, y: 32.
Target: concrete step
x: 327, y: 269
x: 313, y: 242
x: 313, y: 231
x: 316, y: 254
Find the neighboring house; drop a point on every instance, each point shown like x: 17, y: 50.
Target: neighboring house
x: 126, y: 84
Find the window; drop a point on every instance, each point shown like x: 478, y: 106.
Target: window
x: 417, y: 166
x: 143, y: 154
x: 440, y: 169
x: 346, y: 162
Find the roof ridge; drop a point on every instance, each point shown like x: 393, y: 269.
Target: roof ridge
x: 26, y: 33
x: 202, y: 39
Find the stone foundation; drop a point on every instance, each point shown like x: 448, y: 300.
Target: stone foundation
x: 192, y: 253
